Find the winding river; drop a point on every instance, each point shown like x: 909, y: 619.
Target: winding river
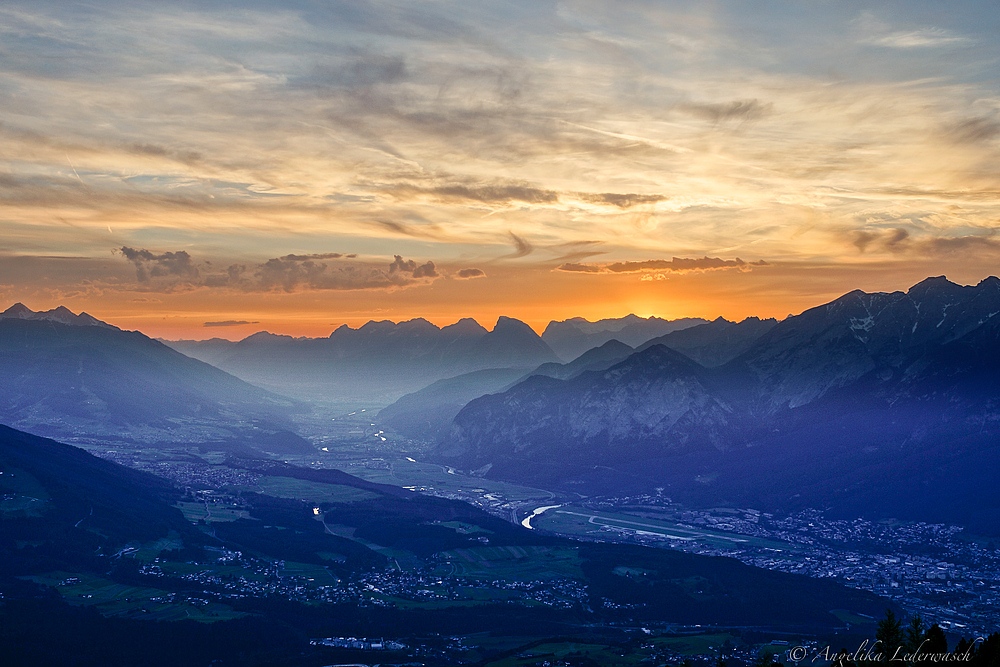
x: 538, y: 510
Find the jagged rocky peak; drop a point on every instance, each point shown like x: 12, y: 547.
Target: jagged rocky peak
x: 342, y: 330
x: 934, y: 285
x: 507, y: 326
x: 417, y: 326
x: 377, y: 326
x: 465, y: 327
x: 582, y: 325
x: 18, y: 311
x: 60, y: 314
x: 264, y: 337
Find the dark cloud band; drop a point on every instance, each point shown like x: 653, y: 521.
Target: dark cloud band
x: 169, y: 271
x: 229, y: 323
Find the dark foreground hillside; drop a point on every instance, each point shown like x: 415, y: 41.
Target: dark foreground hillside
x: 104, y: 565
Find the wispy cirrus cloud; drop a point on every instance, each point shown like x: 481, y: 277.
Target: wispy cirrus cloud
x: 673, y: 265
x: 975, y: 130
x: 740, y: 111
x: 497, y: 194
x: 434, y: 129
x: 902, y: 242
x: 879, y: 32
x: 921, y: 38
x: 521, y: 247
x: 881, y: 239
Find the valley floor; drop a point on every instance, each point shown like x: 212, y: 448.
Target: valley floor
x: 935, y: 570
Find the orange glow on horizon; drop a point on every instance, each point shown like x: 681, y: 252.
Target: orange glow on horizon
x: 342, y: 169
x: 534, y: 296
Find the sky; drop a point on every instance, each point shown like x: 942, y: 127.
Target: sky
x: 195, y: 169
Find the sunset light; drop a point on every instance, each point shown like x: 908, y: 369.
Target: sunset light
x: 182, y: 164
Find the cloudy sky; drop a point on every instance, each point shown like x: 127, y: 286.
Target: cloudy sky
x: 295, y: 165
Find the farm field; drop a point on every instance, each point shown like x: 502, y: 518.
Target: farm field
x: 141, y: 602
x: 213, y: 513
x: 300, y: 489
x: 513, y: 563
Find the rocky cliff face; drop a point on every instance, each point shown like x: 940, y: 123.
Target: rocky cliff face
x: 885, y: 335
x: 654, y: 399
x: 427, y: 414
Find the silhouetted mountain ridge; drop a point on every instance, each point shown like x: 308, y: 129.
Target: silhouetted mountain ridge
x: 92, y: 383
x: 60, y: 314
x: 427, y: 413
x: 571, y: 338
x: 815, y: 405
x: 717, y: 342
x: 377, y: 362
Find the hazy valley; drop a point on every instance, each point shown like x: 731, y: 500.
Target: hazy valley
x: 715, y: 482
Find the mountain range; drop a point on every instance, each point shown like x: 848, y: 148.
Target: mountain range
x: 571, y: 338
x: 428, y: 412
x: 376, y: 363
x: 75, y: 377
x: 883, y: 404
x: 60, y: 314
x: 381, y: 361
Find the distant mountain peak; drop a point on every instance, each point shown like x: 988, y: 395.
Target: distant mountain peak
x: 90, y: 319
x: 614, y: 344
x: 60, y: 314
x: 418, y: 324
x: 18, y: 310
x: 264, y: 336
x: 662, y: 356
x: 510, y: 325
x: 372, y: 326
x: 613, y: 349
x: 933, y: 283
x: 571, y: 338
x: 465, y: 326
